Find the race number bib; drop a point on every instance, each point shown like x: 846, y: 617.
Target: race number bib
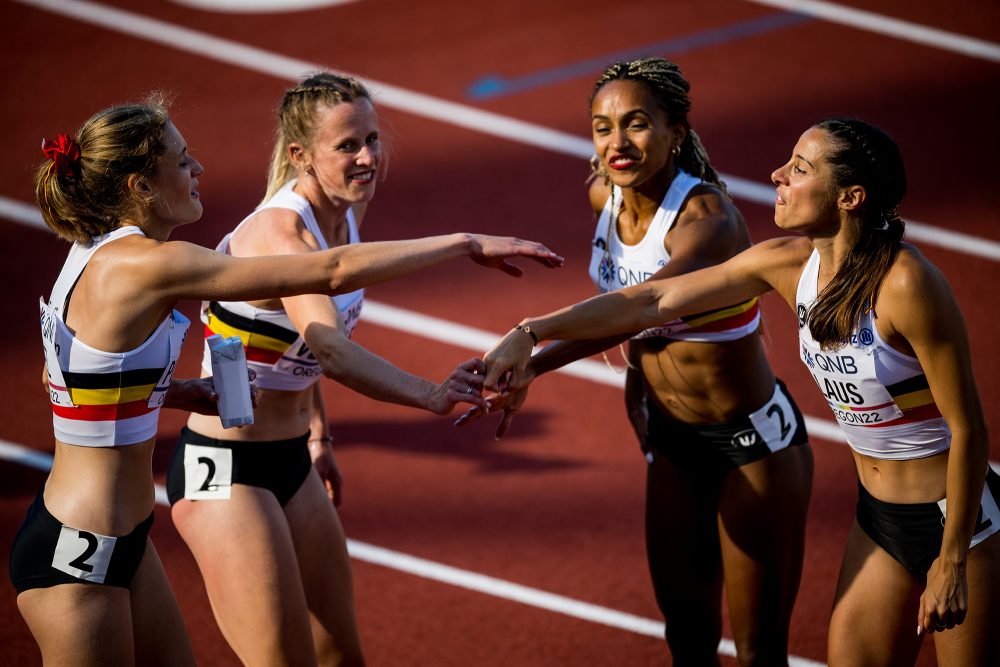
x: 208, y: 472
x: 775, y: 422
x: 83, y: 554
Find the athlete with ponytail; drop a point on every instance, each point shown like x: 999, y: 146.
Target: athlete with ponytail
x: 883, y: 337
x: 89, y: 582
x: 729, y: 467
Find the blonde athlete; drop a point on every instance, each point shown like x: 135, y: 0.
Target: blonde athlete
x: 90, y: 584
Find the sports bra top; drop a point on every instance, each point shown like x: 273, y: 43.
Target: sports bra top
x: 277, y: 355
x: 614, y: 265
x: 104, y: 399
x: 879, y: 396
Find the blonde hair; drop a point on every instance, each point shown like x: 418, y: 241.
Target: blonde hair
x: 93, y: 197
x: 297, y: 119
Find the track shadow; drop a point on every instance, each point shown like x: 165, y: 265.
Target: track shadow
x: 436, y: 437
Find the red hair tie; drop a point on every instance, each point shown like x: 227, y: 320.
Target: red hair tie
x: 64, y: 153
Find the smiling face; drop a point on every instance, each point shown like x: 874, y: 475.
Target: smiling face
x: 632, y: 134
x: 174, y: 182
x: 807, y: 193
x: 346, y: 151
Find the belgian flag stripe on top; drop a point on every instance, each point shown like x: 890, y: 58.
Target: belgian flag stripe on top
x: 247, y: 326
x: 725, y: 318
x: 132, y: 378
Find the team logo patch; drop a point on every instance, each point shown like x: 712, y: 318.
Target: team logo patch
x: 801, y: 311
x: 605, y: 270
x: 807, y: 357
x: 745, y: 438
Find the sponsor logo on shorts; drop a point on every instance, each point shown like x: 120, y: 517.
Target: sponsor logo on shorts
x: 745, y: 438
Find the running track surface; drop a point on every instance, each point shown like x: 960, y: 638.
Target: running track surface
x: 557, y: 506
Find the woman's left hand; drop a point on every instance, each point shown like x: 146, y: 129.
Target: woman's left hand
x: 321, y: 453
x: 945, y: 600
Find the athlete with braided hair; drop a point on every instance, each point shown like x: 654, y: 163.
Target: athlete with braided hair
x: 249, y: 502
x: 729, y: 467
x: 883, y: 337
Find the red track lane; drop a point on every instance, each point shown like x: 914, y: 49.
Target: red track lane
x: 558, y: 505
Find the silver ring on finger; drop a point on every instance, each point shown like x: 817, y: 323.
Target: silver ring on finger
x: 940, y: 627
x: 469, y: 390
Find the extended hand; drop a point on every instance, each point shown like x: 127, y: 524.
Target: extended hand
x: 509, y: 402
x: 506, y: 363
x: 464, y: 385
x: 493, y: 252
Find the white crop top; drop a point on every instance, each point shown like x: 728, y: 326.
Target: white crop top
x: 614, y: 265
x: 104, y: 399
x: 879, y: 396
x: 277, y: 356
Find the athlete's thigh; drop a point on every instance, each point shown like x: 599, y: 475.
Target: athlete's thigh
x: 158, y: 629
x: 976, y: 641
x: 80, y: 624
x: 874, y: 620
x: 324, y: 564
x: 244, y: 550
x: 762, y: 516
x: 682, y: 541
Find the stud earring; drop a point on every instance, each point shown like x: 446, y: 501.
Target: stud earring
x: 676, y: 150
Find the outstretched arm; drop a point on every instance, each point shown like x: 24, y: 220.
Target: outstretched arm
x: 359, y: 369
x: 178, y: 270
x: 635, y: 308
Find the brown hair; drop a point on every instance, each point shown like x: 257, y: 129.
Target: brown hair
x: 670, y: 89
x: 93, y: 197
x: 297, y: 118
x: 862, y: 155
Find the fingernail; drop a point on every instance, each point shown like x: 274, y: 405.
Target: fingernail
x: 919, y: 629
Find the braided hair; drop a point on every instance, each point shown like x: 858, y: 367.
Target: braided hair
x: 297, y: 118
x: 669, y: 88
x: 866, y: 156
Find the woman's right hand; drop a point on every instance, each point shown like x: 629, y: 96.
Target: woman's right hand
x: 507, y: 361
x: 493, y: 252
x: 463, y: 385
x: 509, y: 402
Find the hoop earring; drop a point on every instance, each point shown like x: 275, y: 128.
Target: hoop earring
x: 675, y: 151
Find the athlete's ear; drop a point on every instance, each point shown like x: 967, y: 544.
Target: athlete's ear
x: 851, y: 198
x: 138, y: 185
x: 297, y: 155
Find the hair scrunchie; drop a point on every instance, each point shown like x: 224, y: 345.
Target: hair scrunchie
x: 64, y: 153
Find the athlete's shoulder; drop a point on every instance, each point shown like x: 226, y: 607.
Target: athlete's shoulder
x: 270, y: 231
x: 599, y: 192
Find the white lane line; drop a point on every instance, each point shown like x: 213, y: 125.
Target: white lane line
x: 886, y: 25
x: 435, y: 109
x: 473, y: 581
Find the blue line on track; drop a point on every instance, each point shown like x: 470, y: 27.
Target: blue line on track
x: 492, y: 86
